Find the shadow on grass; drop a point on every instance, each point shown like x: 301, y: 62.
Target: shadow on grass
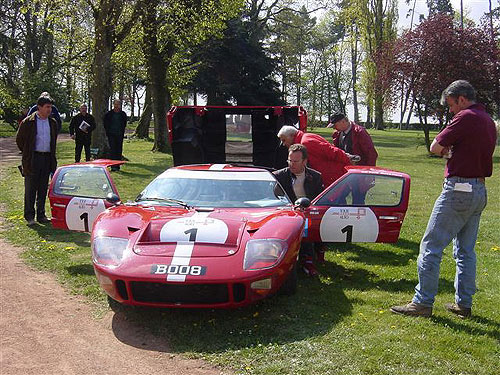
x: 362, y: 279
x: 407, y: 250
x: 50, y: 234
x: 474, y: 326
x: 311, y: 312
x: 81, y: 269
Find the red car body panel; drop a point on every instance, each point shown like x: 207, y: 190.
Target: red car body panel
x: 61, y: 203
x: 208, y: 262
x: 223, y: 263
x: 382, y: 221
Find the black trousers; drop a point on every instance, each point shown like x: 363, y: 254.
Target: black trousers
x: 116, y: 147
x: 36, y: 185
x: 78, y: 151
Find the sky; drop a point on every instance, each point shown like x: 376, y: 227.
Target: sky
x: 473, y: 9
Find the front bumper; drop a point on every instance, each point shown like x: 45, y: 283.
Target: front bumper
x: 229, y: 291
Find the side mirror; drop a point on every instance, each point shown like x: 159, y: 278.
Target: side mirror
x: 302, y: 202
x: 113, y: 199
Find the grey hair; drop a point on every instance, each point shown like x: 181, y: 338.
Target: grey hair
x: 287, y: 131
x: 83, y: 104
x: 459, y: 88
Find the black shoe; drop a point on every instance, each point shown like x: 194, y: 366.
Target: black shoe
x: 455, y: 308
x: 30, y: 223
x: 43, y: 220
x: 413, y: 309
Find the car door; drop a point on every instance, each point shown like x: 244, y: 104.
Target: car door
x: 78, y: 192
x: 368, y: 204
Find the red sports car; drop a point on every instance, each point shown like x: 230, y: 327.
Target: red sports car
x: 216, y: 235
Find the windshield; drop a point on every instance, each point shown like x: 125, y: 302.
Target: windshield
x: 215, y: 192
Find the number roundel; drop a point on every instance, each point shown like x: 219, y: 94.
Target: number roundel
x: 81, y: 213
x: 196, y: 228
x: 349, y: 224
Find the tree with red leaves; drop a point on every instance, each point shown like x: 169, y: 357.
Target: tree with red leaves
x: 436, y: 53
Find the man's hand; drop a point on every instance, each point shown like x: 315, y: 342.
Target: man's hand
x: 436, y: 148
x: 72, y: 136
x: 353, y: 158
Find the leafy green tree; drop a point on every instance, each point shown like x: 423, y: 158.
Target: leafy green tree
x: 378, y: 26
x: 172, y: 30
x: 236, y: 68
x: 113, y: 21
x: 291, y: 40
x: 440, y: 6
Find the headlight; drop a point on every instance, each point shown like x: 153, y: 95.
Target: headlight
x: 108, y: 251
x: 261, y: 254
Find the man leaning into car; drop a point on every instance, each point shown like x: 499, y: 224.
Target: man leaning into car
x: 300, y: 181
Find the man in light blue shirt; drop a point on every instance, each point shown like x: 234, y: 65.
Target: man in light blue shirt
x: 36, y: 138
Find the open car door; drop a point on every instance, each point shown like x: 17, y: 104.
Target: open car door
x: 78, y: 194
x: 367, y: 204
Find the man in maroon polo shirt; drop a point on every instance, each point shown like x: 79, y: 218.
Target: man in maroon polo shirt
x: 468, y: 143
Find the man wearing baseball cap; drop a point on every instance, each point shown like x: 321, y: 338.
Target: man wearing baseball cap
x: 353, y: 139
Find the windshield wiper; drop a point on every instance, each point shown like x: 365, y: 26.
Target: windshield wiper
x: 169, y: 200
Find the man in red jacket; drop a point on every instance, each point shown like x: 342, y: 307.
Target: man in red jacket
x: 327, y: 159
x: 353, y: 139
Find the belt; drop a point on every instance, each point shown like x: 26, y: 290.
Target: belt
x: 481, y: 180
x: 42, y: 153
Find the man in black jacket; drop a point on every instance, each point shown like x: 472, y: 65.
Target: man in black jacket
x: 36, y: 138
x: 115, y: 122
x: 300, y: 181
x: 80, y: 129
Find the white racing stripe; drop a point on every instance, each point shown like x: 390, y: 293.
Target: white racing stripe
x: 184, y: 250
x: 218, y: 167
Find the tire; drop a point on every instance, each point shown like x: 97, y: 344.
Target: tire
x: 116, y: 306
x: 289, y: 287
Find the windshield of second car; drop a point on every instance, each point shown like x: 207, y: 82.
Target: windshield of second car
x: 203, y: 192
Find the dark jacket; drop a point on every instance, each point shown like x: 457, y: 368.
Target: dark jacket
x: 26, y: 138
x: 108, y: 121
x: 362, y: 144
x: 313, y: 184
x: 74, y: 127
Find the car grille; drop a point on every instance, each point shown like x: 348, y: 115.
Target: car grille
x: 182, y: 294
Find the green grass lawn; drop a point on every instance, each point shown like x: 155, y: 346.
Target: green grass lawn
x: 6, y: 130
x: 337, y: 324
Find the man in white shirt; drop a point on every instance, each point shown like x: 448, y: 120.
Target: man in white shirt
x: 300, y: 181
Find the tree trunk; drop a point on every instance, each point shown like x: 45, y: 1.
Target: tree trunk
x: 142, y: 130
x: 299, y: 81
x: 354, y: 69
x: 102, y: 87
x: 157, y: 76
x: 368, y: 115
x: 379, y: 112
x: 410, y: 111
x: 423, y: 122
x: 69, y: 75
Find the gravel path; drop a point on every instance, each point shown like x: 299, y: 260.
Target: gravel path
x: 44, y: 330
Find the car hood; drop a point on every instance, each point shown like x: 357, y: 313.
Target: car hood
x: 210, y: 233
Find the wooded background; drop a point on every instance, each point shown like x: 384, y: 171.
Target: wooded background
x: 330, y: 55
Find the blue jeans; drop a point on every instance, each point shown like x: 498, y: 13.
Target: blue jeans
x: 455, y: 217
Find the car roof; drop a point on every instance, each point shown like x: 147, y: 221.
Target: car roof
x: 218, y: 172
x: 374, y: 170
x: 221, y: 167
